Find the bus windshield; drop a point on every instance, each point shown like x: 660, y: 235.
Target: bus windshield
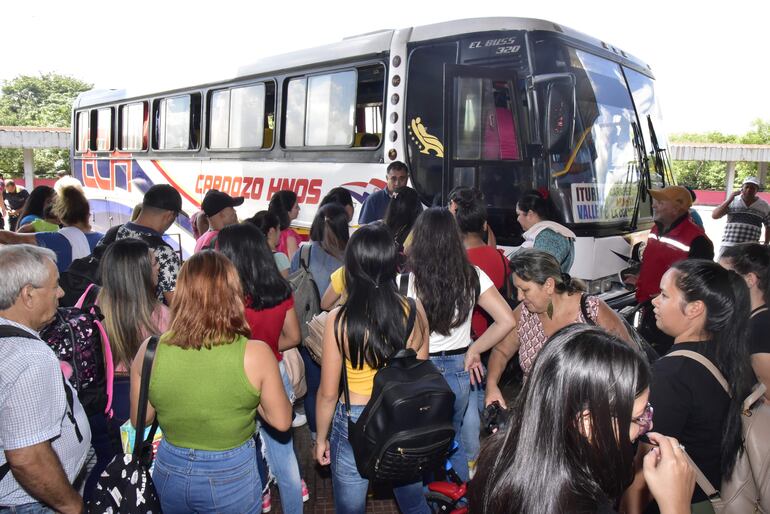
x: 594, y: 167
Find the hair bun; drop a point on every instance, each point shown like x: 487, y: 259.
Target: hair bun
x: 566, y: 278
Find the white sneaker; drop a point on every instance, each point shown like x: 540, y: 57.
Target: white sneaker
x: 299, y: 420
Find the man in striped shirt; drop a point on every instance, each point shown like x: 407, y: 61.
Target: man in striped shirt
x: 746, y: 213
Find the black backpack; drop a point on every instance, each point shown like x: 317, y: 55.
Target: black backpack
x: 406, y: 427
x: 77, y: 337
x: 83, y: 272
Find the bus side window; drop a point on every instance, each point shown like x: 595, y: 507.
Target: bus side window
x: 369, y: 106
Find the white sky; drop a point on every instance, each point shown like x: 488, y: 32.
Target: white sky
x: 709, y: 58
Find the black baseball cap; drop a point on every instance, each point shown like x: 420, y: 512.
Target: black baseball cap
x: 215, y: 201
x: 163, y: 196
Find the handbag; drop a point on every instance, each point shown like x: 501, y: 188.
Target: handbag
x: 747, y: 490
x: 295, y: 369
x: 126, y: 485
x: 314, y: 340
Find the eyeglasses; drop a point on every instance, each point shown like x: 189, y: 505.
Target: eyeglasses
x: 645, y: 420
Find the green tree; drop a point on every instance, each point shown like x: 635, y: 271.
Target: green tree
x: 42, y: 101
x: 711, y: 174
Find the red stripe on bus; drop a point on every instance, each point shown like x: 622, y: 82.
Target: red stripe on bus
x: 175, y: 185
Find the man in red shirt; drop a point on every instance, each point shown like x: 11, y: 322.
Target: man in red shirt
x: 675, y: 237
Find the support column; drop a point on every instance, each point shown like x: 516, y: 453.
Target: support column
x: 762, y: 166
x: 730, y: 179
x: 29, y: 169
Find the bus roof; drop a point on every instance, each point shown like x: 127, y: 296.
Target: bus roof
x: 372, y: 43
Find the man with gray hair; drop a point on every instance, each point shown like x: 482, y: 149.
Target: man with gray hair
x: 44, y: 432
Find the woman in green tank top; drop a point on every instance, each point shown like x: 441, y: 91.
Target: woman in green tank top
x: 208, y: 382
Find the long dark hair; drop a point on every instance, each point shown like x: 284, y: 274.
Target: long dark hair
x: 444, y: 279
x: 127, y: 297
x: 264, y: 221
x: 338, y: 195
x: 330, y: 228
x: 401, y: 214
x: 35, y: 204
x: 537, y: 266
x: 751, y: 258
x: 544, y: 461
x: 246, y: 246
x: 372, y: 319
x: 280, y: 204
x: 538, y: 203
x: 471, y: 212
x: 726, y: 297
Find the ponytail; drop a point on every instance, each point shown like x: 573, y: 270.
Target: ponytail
x: 726, y: 297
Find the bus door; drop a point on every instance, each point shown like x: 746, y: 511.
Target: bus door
x: 483, y: 131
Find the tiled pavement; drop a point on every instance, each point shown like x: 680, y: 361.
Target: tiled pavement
x: 319, y: 482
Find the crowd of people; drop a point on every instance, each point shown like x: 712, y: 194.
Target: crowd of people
x: 581, y: 437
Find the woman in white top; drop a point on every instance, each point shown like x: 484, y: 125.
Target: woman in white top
x: 449, y: 287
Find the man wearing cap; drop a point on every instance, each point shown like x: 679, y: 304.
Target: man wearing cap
x: 675, y: 237
x: 746, y: 213
x: 219, y: 209
x: 160, y: 207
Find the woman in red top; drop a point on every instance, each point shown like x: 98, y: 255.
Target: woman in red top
x: 471, y: 215
x: 284, y: 204
x: 272, y: 319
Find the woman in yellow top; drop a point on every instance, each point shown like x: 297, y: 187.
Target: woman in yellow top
x: 208, y: 382
x: 369, y: 328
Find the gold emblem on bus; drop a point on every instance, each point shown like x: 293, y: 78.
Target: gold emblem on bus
x: 425, y: 142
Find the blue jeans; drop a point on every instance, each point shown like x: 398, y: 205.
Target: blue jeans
x: 349, y: 487
x: 313, y: 380
x: 279, y: 451
x: 471, y: 430
x: 459, y: 380
x: 189, y: 480
x: 27, y: 508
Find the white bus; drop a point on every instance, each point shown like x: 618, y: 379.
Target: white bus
x: 502, y: 104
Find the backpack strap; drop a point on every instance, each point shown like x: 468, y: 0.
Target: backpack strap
x: 109, y: 365
x: 403, y: 284
x: 757, y: 393
x: 144, y: 393
x: 12, y: 331
x: 88, y: 298
x: 409, y: 327
x: 706, y: 363
x: 304, y: 256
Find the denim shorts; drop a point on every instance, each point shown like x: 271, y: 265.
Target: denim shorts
x: 189, y: 480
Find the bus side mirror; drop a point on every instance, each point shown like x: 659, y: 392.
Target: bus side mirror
x: 559, y: 116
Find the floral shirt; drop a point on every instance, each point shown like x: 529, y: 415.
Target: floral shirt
x: 168, y: 259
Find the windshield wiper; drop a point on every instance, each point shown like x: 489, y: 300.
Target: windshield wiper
x: 662, y: 161
x: 643, y: 165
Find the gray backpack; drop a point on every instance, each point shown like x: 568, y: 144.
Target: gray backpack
x: 748, y: 488
x: 307, y: 300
